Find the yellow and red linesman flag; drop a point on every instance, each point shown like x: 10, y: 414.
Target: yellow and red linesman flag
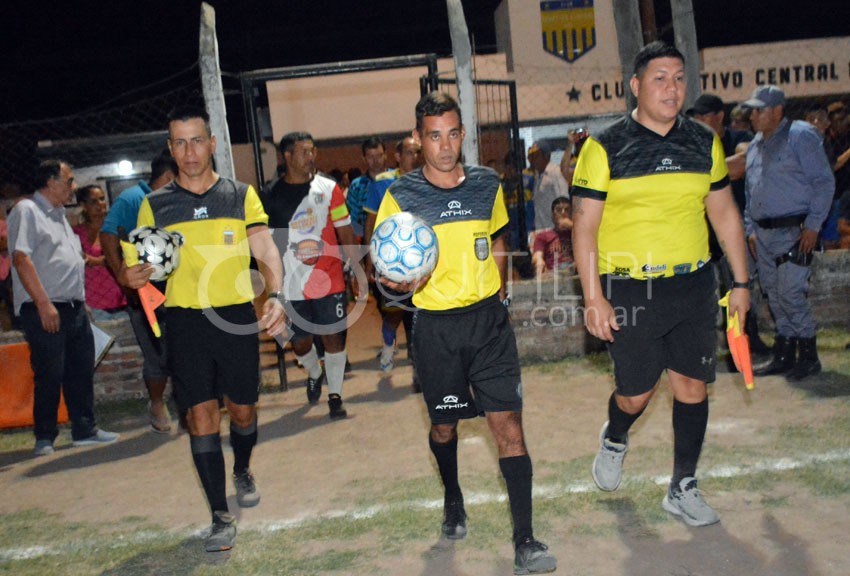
x: 739, y: 344
x: 568, y: 28
x: 150, y: 297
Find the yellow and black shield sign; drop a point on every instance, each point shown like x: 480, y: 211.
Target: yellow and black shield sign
x: 568, y: 28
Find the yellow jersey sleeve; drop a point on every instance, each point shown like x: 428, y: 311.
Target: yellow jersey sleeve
x: 719, y: 170
x: 592, y: 176
x: 254, y: 212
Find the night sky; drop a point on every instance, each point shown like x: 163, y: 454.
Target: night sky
x: 62, y: 57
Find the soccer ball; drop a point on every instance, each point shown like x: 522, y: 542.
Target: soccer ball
x: 403, y: 248
x: 159, y: 248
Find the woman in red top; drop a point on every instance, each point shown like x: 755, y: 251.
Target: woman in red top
x: 104, y: 296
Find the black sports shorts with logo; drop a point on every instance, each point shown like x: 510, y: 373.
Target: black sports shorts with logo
x: 665, y: 323
x: 467, y: 361
x: 212, y: 353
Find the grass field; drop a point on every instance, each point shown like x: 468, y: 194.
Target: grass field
x: 774, y: 479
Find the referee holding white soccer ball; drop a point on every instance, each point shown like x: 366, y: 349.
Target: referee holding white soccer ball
x: 465, y: 349
x: 213, y: 350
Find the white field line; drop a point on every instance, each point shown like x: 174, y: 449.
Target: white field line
x: 547, y: 492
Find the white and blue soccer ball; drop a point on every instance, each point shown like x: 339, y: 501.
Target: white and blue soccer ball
x: 404, y: 248
x: 159, y: 248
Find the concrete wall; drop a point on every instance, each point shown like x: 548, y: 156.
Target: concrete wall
x: 546, y: 316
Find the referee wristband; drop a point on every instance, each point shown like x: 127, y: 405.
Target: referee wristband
x: 741, y: 285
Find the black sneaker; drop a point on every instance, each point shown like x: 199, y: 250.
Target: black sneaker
x: 532, y: 557
x: 454, y: 520
x: 222, y: 533
x: 247, y: 495
x: 335, y: 405
x: 314, y: 388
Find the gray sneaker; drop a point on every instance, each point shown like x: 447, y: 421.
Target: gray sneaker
x: 532, y: 557
x: 222, y: 533
x: 608, y: 465
x: 43, y: 447
x: 99, y: 437
x: 686, y: 501
x: 247, y: 495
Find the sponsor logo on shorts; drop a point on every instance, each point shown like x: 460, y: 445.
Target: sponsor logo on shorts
x: 682, y: 268
x: 650, y: 269
x: 451, y: 402
x: 707, y: 360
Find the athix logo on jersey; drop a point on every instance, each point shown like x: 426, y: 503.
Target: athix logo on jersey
x: 667, y: 166
x: 451, y: 402
x: 201, y: 213
x: 455, y: 209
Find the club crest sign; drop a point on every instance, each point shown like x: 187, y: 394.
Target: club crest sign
x: 568, y: 28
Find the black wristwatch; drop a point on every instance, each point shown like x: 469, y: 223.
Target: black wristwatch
x: 745, y: 285
x: 276, y: 296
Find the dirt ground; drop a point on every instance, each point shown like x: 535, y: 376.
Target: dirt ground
x: 306, y: 466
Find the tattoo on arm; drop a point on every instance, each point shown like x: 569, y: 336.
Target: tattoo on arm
x: 577, y: 209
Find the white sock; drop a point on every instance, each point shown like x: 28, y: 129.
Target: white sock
x: 335, y: 370
x: 310, y: 362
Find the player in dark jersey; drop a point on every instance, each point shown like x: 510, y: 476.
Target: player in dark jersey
x: 465, y: 349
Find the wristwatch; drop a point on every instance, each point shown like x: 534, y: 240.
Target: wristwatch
x: 276, y: 295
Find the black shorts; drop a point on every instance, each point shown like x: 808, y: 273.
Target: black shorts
x: 467, y: 361
x: 208, y: 359
x: 326, y: 315
x: 666, y: 323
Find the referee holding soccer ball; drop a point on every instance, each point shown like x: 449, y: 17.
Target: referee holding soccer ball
x: 465, y: 349
x: 213, y: 349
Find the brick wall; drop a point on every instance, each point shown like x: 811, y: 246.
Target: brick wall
x: 547, y: 318
x: 549, y: 323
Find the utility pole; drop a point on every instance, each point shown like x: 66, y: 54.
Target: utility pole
x: 685, y: 36
x: 627, y: 22
x: 647, y: 21
x: 213, y: 92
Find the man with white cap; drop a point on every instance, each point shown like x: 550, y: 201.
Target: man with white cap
x: 789, y: 190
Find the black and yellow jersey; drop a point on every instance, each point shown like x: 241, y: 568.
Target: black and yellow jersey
x: 465, y: 218
x: 654, y: 188
x: 215, y: 258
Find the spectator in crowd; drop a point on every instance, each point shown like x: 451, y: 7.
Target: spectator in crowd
x: 49, y: 283
x: 375, y: 158
x: 648, y: 178
x: 119, y: 222
x: 576, y: 138
x: 104, y: 296
x: 789, y: 190
x: 310, y: 221
x: 710, y: 110
x: 819, y: 118
x: 739, y: 119
x: 553, y: 247
x: 464, y: 345
x: 837, y: 145
x: 222, y: 222
x: 9, y: 195
x: 549, y: 183
x: 519, y: 191
x: 395, y: 309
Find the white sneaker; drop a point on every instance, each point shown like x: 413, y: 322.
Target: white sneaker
x: 607, y: 468
x: 387, y: 353
x: 100, y: 437
x: 685, y: 500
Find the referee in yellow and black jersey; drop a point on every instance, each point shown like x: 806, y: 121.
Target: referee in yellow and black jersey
x: 465, y: 349
x: 641, y: 192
